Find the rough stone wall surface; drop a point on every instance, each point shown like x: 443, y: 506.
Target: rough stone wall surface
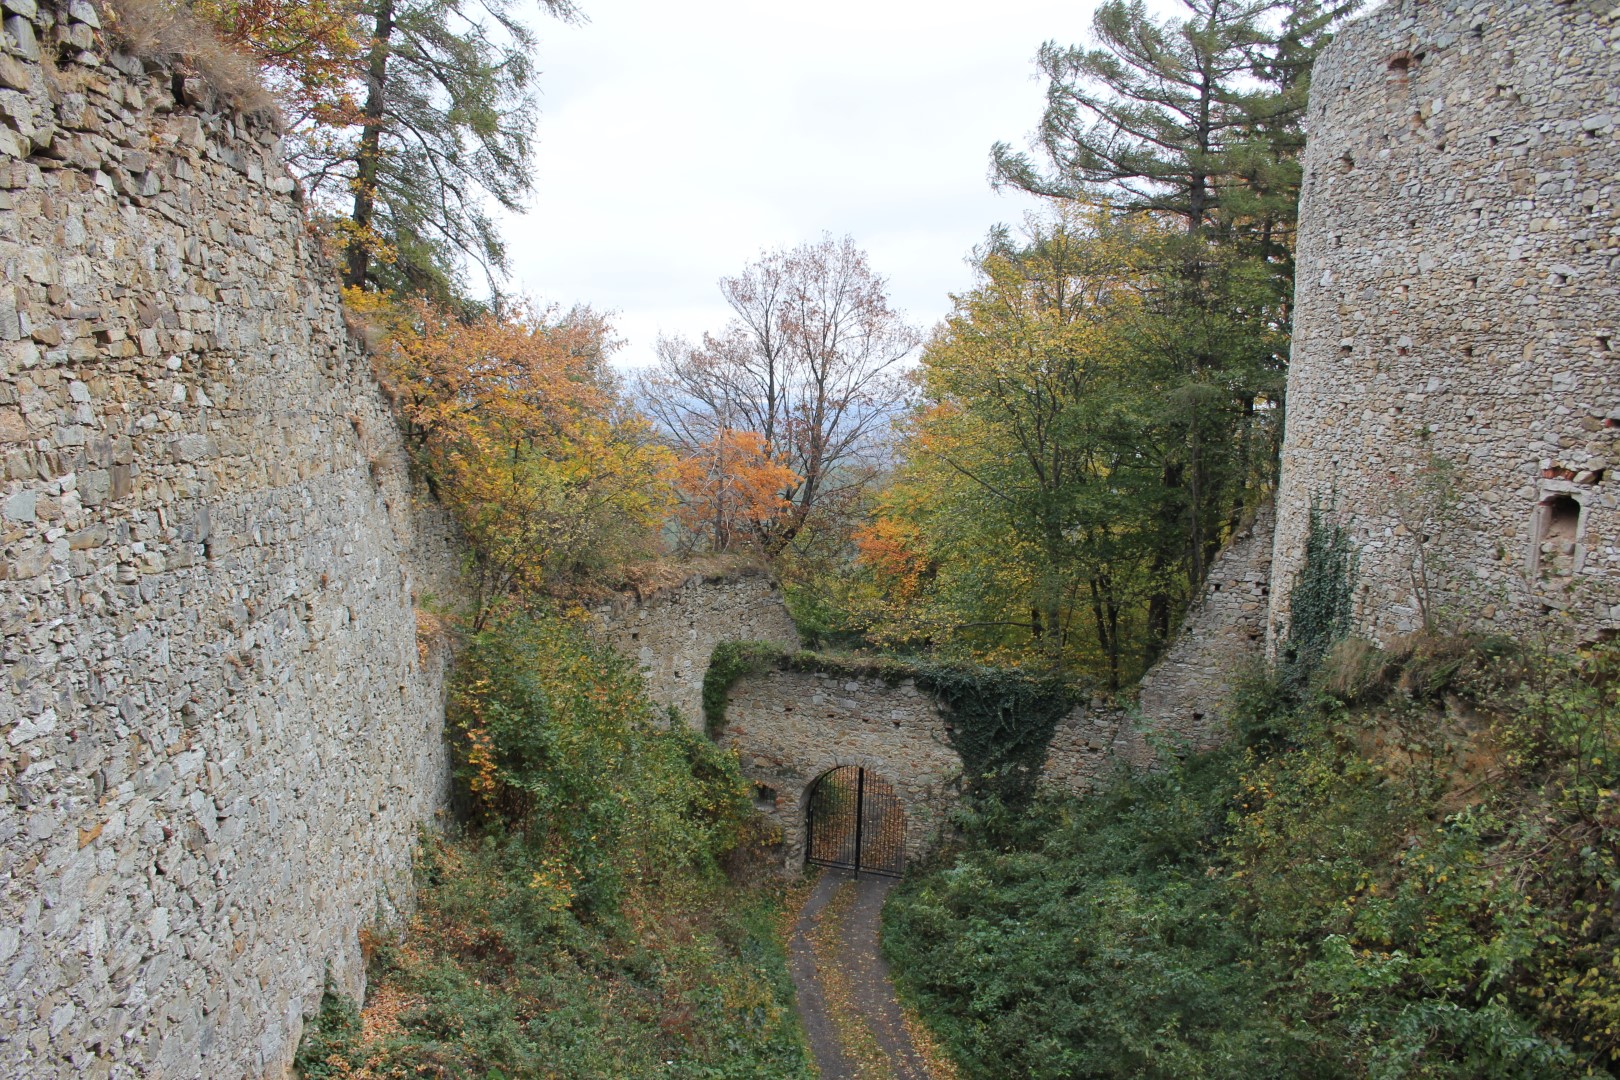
x: 1182, y: 695
x: 1458, y: 304
x: 790, y: 728
x: 217, y: 735
x: 1180, y: 700
x: 672, y: 633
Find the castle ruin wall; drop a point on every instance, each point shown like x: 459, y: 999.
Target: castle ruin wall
x: 791, y: 727
x: 1452, y: 398
x: 218, y: 734
x: 672, y: 633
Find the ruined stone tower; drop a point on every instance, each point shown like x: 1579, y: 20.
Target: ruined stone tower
x: 1455, y: 349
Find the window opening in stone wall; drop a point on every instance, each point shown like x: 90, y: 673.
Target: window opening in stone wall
x: 1558, y: 524
x: 764, y: 797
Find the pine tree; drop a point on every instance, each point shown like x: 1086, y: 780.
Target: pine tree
x: 1196, y: 120
x: 443, y: 129
x: 1197, y: 117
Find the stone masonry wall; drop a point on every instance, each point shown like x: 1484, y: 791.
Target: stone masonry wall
x: 673, y: 632
x: 218, y: 738
x: 1183, y: 693
x: 1180, y: 700
x: 790, y: 727
x: 1458, y: 317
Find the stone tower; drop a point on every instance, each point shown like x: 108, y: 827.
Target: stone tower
x: 1453, y: 400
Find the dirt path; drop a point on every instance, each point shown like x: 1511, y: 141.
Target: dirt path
x: 850, y: 1014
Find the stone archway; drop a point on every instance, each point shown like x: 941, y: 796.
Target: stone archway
x: 854, y: 820
x: 790, y: 728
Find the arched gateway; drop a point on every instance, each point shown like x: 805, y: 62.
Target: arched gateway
x: 818, y: 746
x: 855, y: 822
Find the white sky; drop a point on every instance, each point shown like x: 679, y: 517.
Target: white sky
x: 679, y: 140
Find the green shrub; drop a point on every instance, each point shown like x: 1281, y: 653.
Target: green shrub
x: 581, y: 927
x: 334, y: 1033
x: 1409, y: 871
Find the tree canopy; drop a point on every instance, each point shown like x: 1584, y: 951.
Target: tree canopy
x: 810, y: 363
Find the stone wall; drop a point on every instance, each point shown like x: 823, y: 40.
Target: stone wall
x: 791, y: 727
x: 672, y: 632
x: 1458, y: 317
x: 1183, y: 694
x: 218, y: 737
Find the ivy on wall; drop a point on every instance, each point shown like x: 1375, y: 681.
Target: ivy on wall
x: 730, y: 661
x: 1322, y: 600
x: 1000, y: 722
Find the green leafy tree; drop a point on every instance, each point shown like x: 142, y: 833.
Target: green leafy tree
x: 1031, y: 469
x: 1198, y: 120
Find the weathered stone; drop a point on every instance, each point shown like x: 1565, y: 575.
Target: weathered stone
x: 135, y: 520
x: 673, y: 632
x: 1480, y: 260
x: 21, y: 32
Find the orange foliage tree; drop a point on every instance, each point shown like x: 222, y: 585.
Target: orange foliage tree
x: 518, y: 422
x: 895, y: 553
x: 731, y: 487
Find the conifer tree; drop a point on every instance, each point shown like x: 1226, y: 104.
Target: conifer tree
x: 445, y: 124
x: 1195, y: 120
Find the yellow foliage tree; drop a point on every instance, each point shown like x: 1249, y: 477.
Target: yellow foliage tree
x: 519, y: 424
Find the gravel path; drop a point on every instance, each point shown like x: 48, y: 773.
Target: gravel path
x: 846, y: 1000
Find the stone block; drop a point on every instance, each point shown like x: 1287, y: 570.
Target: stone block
x: 20, y: 31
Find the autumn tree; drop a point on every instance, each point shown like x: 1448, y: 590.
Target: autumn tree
x: 307, y: 52
x: 730, y: 489
x: 810, y: 362
x: 409, y: 120
x: 1197, y: 120
x: 519, y: 425
x: 1029, y: 489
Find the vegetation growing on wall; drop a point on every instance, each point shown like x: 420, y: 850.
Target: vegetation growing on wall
x: 1418, y: 882
x: 1321, y: 603
x: 583, y: 926
x: 519, y: 427
x: 730, y: 661
x: 1000, y: 722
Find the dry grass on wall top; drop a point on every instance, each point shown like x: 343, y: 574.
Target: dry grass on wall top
x: 169, y: 35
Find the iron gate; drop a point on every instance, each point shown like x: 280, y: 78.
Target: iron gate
x: 856, y: 823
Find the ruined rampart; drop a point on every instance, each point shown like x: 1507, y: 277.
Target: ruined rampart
x: 791, y: 727
x: 671, y: 632
x: 1452, y: 398
x: 218, y: 738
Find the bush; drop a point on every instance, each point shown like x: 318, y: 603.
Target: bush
x: 1372, y: 883
x: 581, y: 927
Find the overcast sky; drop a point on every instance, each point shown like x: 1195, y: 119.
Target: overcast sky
x: 678, y: 140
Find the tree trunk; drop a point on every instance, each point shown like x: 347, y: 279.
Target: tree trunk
x: 358, y: 256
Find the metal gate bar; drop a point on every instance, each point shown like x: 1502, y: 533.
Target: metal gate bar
x: 856, y: 823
